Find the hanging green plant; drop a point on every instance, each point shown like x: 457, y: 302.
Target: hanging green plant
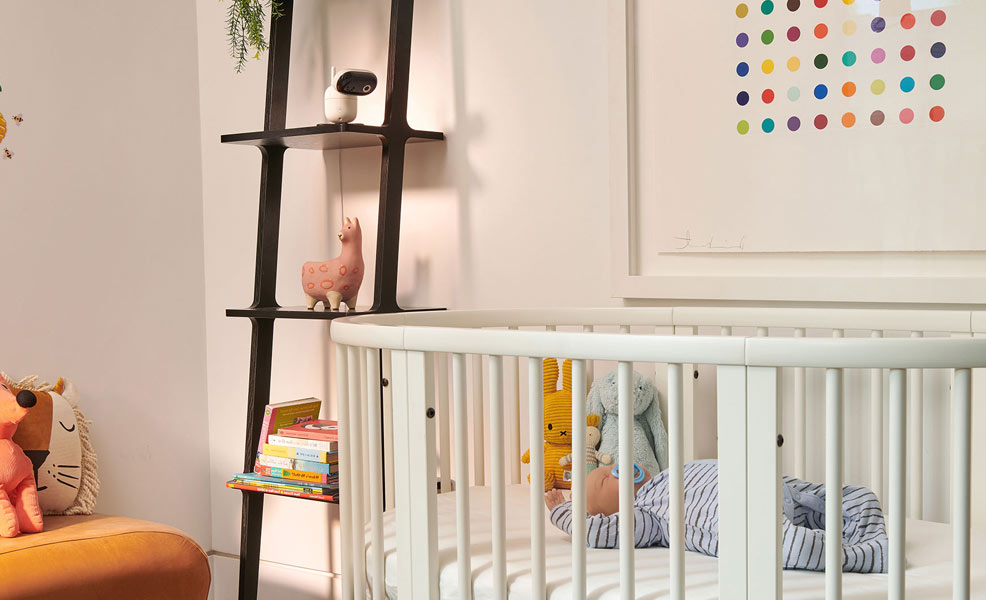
x: 245, y: 28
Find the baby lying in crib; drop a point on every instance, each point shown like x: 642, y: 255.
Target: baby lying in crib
x: 864, y: 536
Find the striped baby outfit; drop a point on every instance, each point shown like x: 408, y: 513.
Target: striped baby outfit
x: 864, y: 535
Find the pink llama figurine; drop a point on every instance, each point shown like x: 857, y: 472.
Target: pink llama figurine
x: 336, y: 280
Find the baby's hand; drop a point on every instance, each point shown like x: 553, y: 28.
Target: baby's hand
x: 553, y: 498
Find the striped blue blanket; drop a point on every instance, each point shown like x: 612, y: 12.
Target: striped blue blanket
x: 864, y: 534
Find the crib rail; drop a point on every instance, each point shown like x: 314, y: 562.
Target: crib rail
x: 750, y: 371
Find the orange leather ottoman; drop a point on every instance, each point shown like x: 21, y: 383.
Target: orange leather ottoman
x: 99, y: 557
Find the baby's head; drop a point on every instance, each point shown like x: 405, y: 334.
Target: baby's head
x: 602, y: 490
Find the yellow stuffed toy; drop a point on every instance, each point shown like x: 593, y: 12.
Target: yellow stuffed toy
x: 557, y: 426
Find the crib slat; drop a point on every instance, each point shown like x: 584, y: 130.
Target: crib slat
x: 513, y: 417
x: 497, y: 489
x: 589, y: 365
x: 876, y: 427
x: 536, y: 420
x: 444, y: 424
x: 388, y: 431
x: 833, y: 483
x: 478, y: 422
x: 764, y: 479
x: 731, y: 403
x: 676, y: 450
x: 345, y: 501
x: 578, y: 478
x: 356, y: 473
x: 897, y: 507
x: 462, y: 476
x: 625, y: 403
x: 375, y: 473
x: 688, y: 414
x: 800, y: 419
x: 915, y: 445
x: 962, y: 457
x: 364, y: 448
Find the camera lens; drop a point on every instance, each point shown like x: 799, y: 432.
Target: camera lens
x: 367, y: 88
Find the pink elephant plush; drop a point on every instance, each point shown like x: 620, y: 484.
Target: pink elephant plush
x: 19, y: 509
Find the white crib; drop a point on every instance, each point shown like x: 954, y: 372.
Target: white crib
x: 401, y: 444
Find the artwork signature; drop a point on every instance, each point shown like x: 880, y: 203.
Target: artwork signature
x: 686, y: 242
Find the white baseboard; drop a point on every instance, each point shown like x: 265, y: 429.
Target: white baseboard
x: 277, y: 581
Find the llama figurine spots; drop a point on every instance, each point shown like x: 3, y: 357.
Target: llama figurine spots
x: 337, y: 280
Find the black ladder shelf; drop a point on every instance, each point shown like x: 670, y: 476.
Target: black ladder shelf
x: 392, y: 137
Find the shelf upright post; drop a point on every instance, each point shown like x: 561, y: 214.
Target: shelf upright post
x: 265, y: 280
x: 392, y: 160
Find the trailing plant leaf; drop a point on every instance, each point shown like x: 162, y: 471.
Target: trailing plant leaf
x: 245, y: 28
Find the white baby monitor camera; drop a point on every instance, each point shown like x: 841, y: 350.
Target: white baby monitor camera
x: 340, y: 97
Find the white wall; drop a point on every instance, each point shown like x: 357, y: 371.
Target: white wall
x: 102, y: 246
x: 520, y: 183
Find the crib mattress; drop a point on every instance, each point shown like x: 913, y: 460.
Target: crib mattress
x: 929, y: 552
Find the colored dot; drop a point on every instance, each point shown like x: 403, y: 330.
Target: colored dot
x: 821, y: 3
x: 849, y: 89
x: 907, y: 53
x: 849, y: 27
x: 742, y: 98
x: 878, y: 55
x: 821, y: 30
x: 742, y: 69
x: 794, y: 123
x: 907, y: 84
x: 878, y: 86
x: 793, y: 94
x: 793, y: 64
x: 937, y: 82
x: 793, y: 5
x: 908, y: 21
x: 767, y: 7
x: 767, y: 96
x: 848, y: 2
x: 742, y: 10
x: 938, y: 18
x: 878, y: 24
x: 742, y: 40
x: 767, y: 125
x: 877, y: 118
x: 849, y: 58
x: 743, y: 127
x: 906, y: 116
x: 793, y: 34
x: 848, y: 120
x: 767, y: 37
x: 821, y: 91
x: 821, y: 61
x: 767, y: 67
x: 821, y: 121
x: 937, y: 114
x: 938, y: 50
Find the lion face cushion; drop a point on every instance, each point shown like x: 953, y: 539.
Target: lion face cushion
x: 55, y: 436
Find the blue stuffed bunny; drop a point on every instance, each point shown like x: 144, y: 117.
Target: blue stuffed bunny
x: 650, y: 438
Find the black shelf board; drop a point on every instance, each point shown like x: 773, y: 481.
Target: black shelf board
x: 326, y: 136
x: 300, y: 312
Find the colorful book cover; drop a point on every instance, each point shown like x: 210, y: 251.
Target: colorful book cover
x: 307, y: 476
x: 320, y: 429
x: 283, y: 440
x: 279, y: 492
x: 300, y: 453
x: 296, y: 464
x: 301, y: 487
x: 258, y: 479
x: 274, y: 461
x: 285, y: 414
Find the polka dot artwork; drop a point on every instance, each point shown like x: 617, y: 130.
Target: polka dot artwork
x: 847, y: 89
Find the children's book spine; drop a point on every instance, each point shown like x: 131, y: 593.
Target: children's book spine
x: 283, y: 440
x: 315, y: 467
x: 257, y: 479
x: 299, y: 434
x: 275, y: 461
x: 298, y: 486
x: 319, y: 478
x: 301, y: 453
x: 280, y: 492
x: 265, y: 427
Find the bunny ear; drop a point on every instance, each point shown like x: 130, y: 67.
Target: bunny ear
x: 566, y: 375
x: 659, y: 434
x: 592, y: 420
x: 550, y: 376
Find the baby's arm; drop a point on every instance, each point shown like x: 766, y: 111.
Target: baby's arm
x: 602, y: 531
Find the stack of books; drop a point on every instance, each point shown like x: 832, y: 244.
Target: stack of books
x: 297, y: 455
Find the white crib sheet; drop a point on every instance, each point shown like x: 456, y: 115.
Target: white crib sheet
x: 929, y: 552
